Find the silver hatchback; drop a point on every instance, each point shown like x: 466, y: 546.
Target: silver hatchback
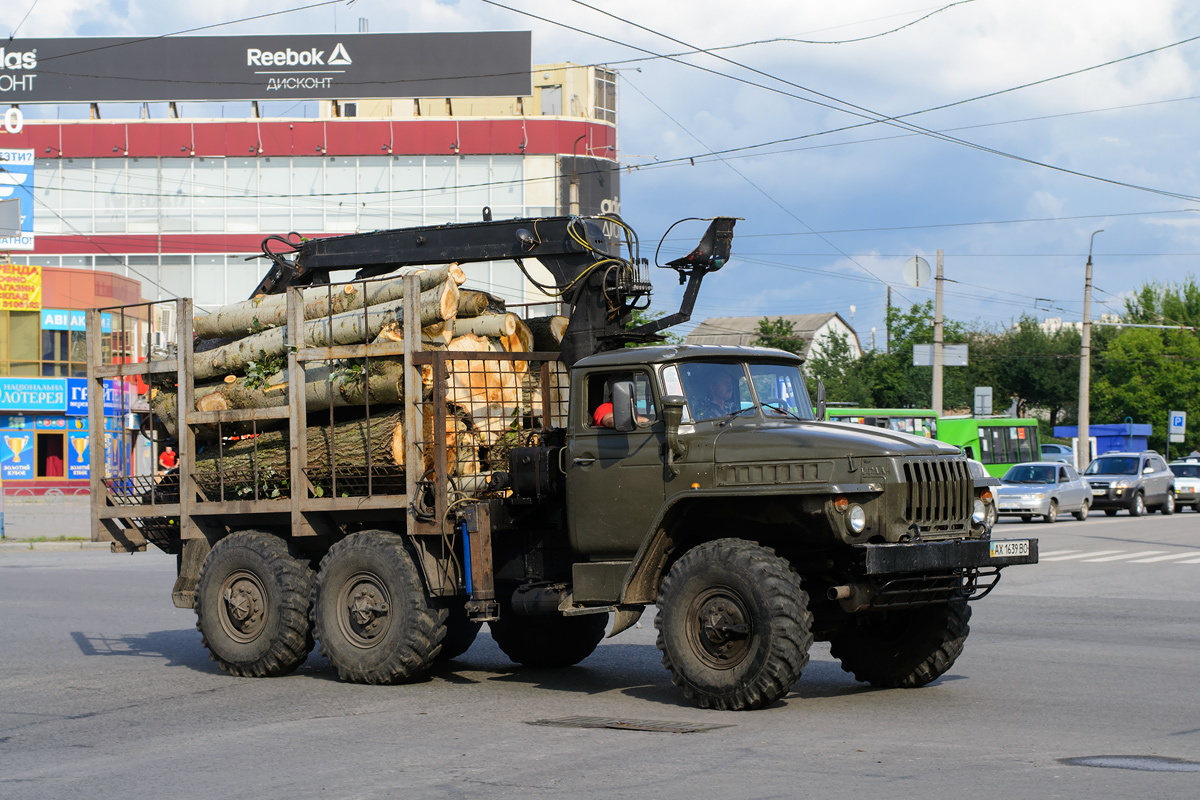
x: 1043, y: 489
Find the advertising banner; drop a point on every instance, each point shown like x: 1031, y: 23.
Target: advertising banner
x: 266, y: 67
x: 63, y: 319
x: 16, y: 183
x: 20, y: 287
x: 78, y: 456
x: 16, y: 455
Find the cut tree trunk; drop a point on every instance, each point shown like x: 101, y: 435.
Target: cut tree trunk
x: 547, y: 332
x: 270, y: 311
x: 472, y: 303
x: 436, y: 305
x: 493, y: 325
x: 352, y: 444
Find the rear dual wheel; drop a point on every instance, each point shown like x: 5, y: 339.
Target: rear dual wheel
x: 252, y: 605
x: 371, y: 614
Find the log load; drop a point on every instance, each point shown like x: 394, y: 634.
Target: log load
x: 270, y: 311
x: 436, y: 305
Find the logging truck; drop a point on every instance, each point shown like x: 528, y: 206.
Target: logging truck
x: 381, y: 465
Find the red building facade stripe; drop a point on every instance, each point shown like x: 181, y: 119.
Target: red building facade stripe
x: 432, y: 136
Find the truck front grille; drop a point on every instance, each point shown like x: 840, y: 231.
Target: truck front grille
x: 939, y: 494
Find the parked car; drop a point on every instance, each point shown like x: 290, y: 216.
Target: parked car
x: 1058, y: 452
x: 1187, y: 482
x: 1045, y: 489
x: 979, y: 472
x: 1136, y: 482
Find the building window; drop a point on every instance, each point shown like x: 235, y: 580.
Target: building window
x: 552, y: 101
x: 606, y: 95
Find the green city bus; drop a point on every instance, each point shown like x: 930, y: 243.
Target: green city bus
x: 997, y: 443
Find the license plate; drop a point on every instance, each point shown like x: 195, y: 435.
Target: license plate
x: 1019, y: 547
x: 1099, y: 491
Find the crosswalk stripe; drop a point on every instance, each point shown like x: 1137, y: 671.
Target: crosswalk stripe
x: 1057, y: 553
x: 1080, y: 555
x: 1123, y: 556
x: 1189, y: 561
x: 1156, y: 559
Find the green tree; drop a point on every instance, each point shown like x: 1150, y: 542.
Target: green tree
x: 1039, y: 370
x: 779, y: 334
x: 1143, y: 374
x: 1165, y: 304
x: 641, y: 317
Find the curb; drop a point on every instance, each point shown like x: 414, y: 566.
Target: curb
x: 9, y: 547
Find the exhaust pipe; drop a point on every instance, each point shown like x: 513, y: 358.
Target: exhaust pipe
x: 852, y: 596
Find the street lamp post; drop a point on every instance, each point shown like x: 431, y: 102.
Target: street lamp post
x: 1083, y: 450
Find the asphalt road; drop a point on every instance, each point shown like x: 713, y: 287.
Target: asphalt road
x: 106, y: 692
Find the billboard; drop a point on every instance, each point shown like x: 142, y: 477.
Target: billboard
x: 275, y: 67
x: 20, y: 287
x: 16, y: 183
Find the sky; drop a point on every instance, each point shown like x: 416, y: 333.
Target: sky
x: 1043, y: 122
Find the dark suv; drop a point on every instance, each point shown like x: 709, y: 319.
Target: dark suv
x: 1136, y: 482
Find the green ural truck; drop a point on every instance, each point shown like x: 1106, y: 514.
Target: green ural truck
x: 701, y: 480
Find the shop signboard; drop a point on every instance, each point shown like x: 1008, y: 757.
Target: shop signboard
x: 292, y: 66
x: 65, y: 319
x: 20, y: 286
x: 77, y: 397
x: 16, y: 183
x: 33, y: 394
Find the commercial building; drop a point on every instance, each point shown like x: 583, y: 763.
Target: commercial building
x: 404, y: 130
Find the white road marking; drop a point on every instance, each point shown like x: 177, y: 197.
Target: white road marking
x: 1190, y: 561
x: 1156, y: 559
x: 1057, y: 553
x: 1123, y: 556
x: 1081, y: 555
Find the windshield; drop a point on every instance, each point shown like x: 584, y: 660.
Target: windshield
x: 1113, y: 465
x: 1024, y: 473
x: 781, y: 391
x: 1186, y: 470
x: 714, y: 390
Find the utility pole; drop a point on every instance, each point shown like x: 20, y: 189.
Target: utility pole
x: 1083, y: 452
x: 887, y: 336
x: 937, y: 340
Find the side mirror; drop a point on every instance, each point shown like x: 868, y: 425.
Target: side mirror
x: 673, y: 416
x: 1147, y: 469
x: 820, y: 399
x: 622, y: 400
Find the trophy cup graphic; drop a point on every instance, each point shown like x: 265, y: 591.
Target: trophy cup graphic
x: 80, y: 444
x: 16, y: 444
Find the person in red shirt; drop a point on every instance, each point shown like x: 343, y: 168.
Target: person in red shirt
x: 167, y: 459
x: 603, y: 417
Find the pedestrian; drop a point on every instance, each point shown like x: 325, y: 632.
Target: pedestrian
x: 167, y: 460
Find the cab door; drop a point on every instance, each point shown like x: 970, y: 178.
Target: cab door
x: 615, y: 479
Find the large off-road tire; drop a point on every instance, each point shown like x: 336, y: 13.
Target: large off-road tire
x: 903, y: 649
x: 733, y: 625
x: 372, y: 617
x: 548, y: 641
x: 460, y: 632
x: 1082, y: 513
x: 252, y: 605
x: 1138, y: 507
x: 1051, y: 515
x: 1168, y: 506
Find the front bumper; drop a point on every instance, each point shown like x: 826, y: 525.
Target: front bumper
x: 1012, y: 505
x: 1114, y: 498
x: 889, y: 559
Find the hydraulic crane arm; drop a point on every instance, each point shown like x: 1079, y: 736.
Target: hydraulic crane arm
x: 600, y: 286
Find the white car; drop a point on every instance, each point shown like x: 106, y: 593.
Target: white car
x: 1187, y: 482
x: 1044, y: 489
x: 1058, y: 452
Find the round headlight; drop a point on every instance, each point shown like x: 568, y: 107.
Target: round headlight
x: 978, y: 513
x: 858, y: 519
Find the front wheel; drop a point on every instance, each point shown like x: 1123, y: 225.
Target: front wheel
x: 733, y: 625
x: 252, y: 605
x: 1138, y: 507
x: 903, y: 649
x: 1082, y: 513
x: 371, y: 613
x: 1051, y: 514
